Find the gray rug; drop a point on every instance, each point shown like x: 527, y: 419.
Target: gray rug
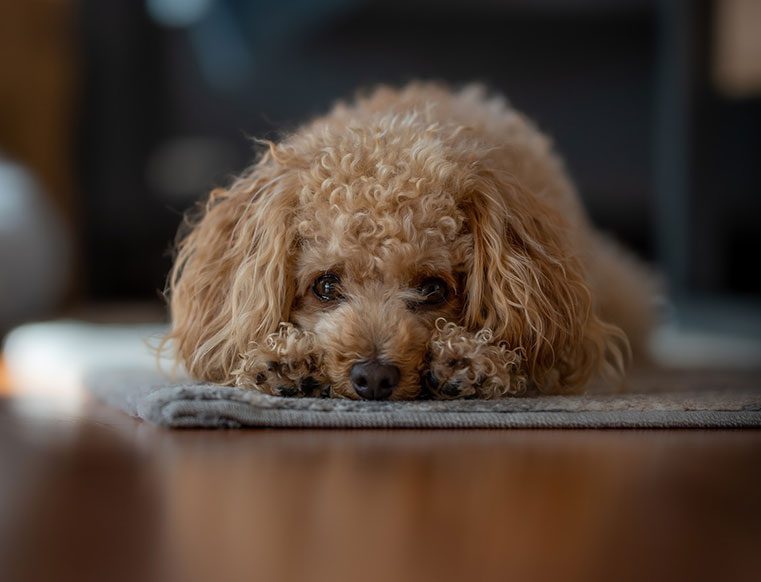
x: 693, y: 401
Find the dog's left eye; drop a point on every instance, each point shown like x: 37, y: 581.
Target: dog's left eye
x: 327, y: 287
x: 434, y: 291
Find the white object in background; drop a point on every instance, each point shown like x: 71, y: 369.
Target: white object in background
x: 48, y: 361
x: 34, y: 250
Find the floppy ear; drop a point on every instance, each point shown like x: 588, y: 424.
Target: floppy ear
x: 230, y: 281
x: 528, y: 287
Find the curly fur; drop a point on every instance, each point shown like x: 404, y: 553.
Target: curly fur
x: 400, y: 185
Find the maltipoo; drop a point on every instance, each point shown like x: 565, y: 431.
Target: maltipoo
x: 419, y: 242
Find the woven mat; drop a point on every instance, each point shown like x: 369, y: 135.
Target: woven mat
x: 655, y: 400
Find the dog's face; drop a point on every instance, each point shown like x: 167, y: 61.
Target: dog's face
x: 365, y: 234
x: 376, y: 265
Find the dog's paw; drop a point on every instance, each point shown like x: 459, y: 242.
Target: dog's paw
x: 286, y: 379
x: 468, y: 365
x: 288, y: 364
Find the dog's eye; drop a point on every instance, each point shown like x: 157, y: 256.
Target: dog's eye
x: 326, y: 287
x: 434, y: 291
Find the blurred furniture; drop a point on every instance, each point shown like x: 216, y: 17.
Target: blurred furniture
x: 707, y: 148
x: 37, y: 93
x: 37, y: 101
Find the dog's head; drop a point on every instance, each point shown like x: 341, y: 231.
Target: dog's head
x: 365, y: 234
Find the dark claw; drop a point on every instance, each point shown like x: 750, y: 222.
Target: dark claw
x: 451, y: 389
x: 288, y: 391
x: 309, y: 386
x: 429, y: 381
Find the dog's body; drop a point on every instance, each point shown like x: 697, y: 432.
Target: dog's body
x: 417, y: 240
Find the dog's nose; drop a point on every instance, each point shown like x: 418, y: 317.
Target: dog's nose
x: 374, y: 380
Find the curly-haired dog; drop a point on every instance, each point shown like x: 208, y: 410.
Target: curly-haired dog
x: 418, y: 241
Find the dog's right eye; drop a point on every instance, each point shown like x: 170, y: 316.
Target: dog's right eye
x: 327, y: 287
x: 434, y: 291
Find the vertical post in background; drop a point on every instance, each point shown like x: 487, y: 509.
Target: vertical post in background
x: 673, y: 138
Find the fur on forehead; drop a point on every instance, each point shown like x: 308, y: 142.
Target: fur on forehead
x: 378, y: 209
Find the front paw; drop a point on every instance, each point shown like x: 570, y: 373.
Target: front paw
x: 283, y: 379
x: 468, y: 365
x: 444, y: 385
x: 287, y: 364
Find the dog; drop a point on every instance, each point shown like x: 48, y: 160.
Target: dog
x: 415, y: 243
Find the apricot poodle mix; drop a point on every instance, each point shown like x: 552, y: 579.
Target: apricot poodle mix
x: 416, y: 243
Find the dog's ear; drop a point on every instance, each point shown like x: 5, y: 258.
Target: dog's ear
x: 230, y: 281
x: 528, y: 287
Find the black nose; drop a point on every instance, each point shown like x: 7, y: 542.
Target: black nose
x: 373, y: 380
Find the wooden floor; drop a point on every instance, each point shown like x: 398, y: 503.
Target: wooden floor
x: 95, y: 495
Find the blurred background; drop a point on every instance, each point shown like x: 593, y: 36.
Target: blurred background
x: 116, y: 117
